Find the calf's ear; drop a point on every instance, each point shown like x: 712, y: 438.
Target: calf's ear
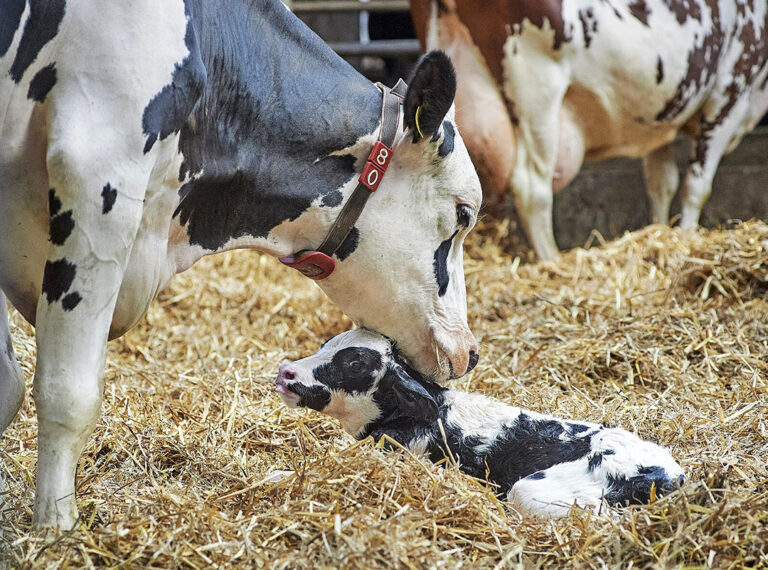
x: 431, y: 88
x: 412, y: 399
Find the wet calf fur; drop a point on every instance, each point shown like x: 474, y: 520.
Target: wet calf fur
x: 540, y: 463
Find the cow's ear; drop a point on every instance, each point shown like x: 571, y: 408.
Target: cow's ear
x: 431, y: 88
x: 411, y: 399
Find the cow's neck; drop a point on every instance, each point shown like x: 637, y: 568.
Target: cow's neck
x: 258, y: 149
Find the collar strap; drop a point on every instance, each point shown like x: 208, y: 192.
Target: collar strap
x: 319, y: 264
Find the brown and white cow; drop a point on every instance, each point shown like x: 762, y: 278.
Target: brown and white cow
x: 591, y: 79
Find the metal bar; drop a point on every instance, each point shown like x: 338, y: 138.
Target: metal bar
x: 306, y: 6
x: 378, y: 47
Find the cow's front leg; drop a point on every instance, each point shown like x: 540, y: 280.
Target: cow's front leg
x: 661, y: 181
x: 94, y: 216
x: 538, y: 131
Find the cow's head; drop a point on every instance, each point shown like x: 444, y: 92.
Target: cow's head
x: 358, y: 378
x: 405, y: 276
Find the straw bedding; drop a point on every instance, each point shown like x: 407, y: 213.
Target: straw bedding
x: 660, y: 332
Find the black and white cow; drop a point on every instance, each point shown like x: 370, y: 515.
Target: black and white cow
x: 591, y: 79
x: 542, y: 464
x: 140, y: 136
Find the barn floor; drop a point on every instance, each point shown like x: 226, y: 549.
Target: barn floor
x: 659, y: 332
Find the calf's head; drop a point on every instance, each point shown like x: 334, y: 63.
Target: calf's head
x: 405, y: 277
x: 356, y: 378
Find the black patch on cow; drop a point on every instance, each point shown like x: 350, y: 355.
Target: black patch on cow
x: 42, y: 83
x: 10, y: 18
x: 408, y: 410
x: 588, y: 25
x: 659, y: 71
x: 167, y: 112
x: 537, y: 476
x: 353, y: 370
x: 684, y: 10
x: 531, y: 445
x: 57, y: 278
x: 596, y: 459
x: 446, y: 147
x: 332, y: 199
x: 54, y: 204
x: 41, y: 27
x: 60, y: 226
x: 574, y: 429
x: 637, y: 490
x: 71, y: 301
x: 269, y: 118
x: 349, y: 244
x: 314, y: 397
x: 108, y: 197
x: 640, y: 10
x: 440, y: 265
x: 431, y: 87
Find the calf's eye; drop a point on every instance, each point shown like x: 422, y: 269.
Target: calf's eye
x: 464, y: 215
x: 356, y: 367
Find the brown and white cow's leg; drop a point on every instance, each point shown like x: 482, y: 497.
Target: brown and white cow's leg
x: 11, y: 379
x: 713, y: 140
x: 538, y: 132
x: 661, y: 181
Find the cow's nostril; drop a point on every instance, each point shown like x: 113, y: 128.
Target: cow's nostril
x: 286, y: 372
x: 473, y: 358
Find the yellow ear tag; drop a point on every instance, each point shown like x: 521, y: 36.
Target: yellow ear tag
x: 418, y: 128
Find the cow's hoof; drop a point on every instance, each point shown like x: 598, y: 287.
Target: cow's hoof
x: 51, y: 515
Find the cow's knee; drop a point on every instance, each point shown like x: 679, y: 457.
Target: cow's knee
x: 11, y: 379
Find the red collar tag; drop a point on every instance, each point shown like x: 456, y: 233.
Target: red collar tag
x: 376, y: 166
x: 312, y: 264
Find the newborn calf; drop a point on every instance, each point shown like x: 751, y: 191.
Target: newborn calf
x: 541, y: 464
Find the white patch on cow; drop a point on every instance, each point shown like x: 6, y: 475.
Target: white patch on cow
x: 565, y: 485
x: 630, y: 452
x: 354, y: 411
x: 478, y: 415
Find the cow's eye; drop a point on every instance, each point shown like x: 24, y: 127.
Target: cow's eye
x: 356, y: 366
x: 464, y: 215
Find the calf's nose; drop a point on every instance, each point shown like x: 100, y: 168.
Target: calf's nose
x: 286, y: 372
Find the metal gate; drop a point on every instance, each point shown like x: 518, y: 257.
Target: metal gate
x: 375, y: 36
